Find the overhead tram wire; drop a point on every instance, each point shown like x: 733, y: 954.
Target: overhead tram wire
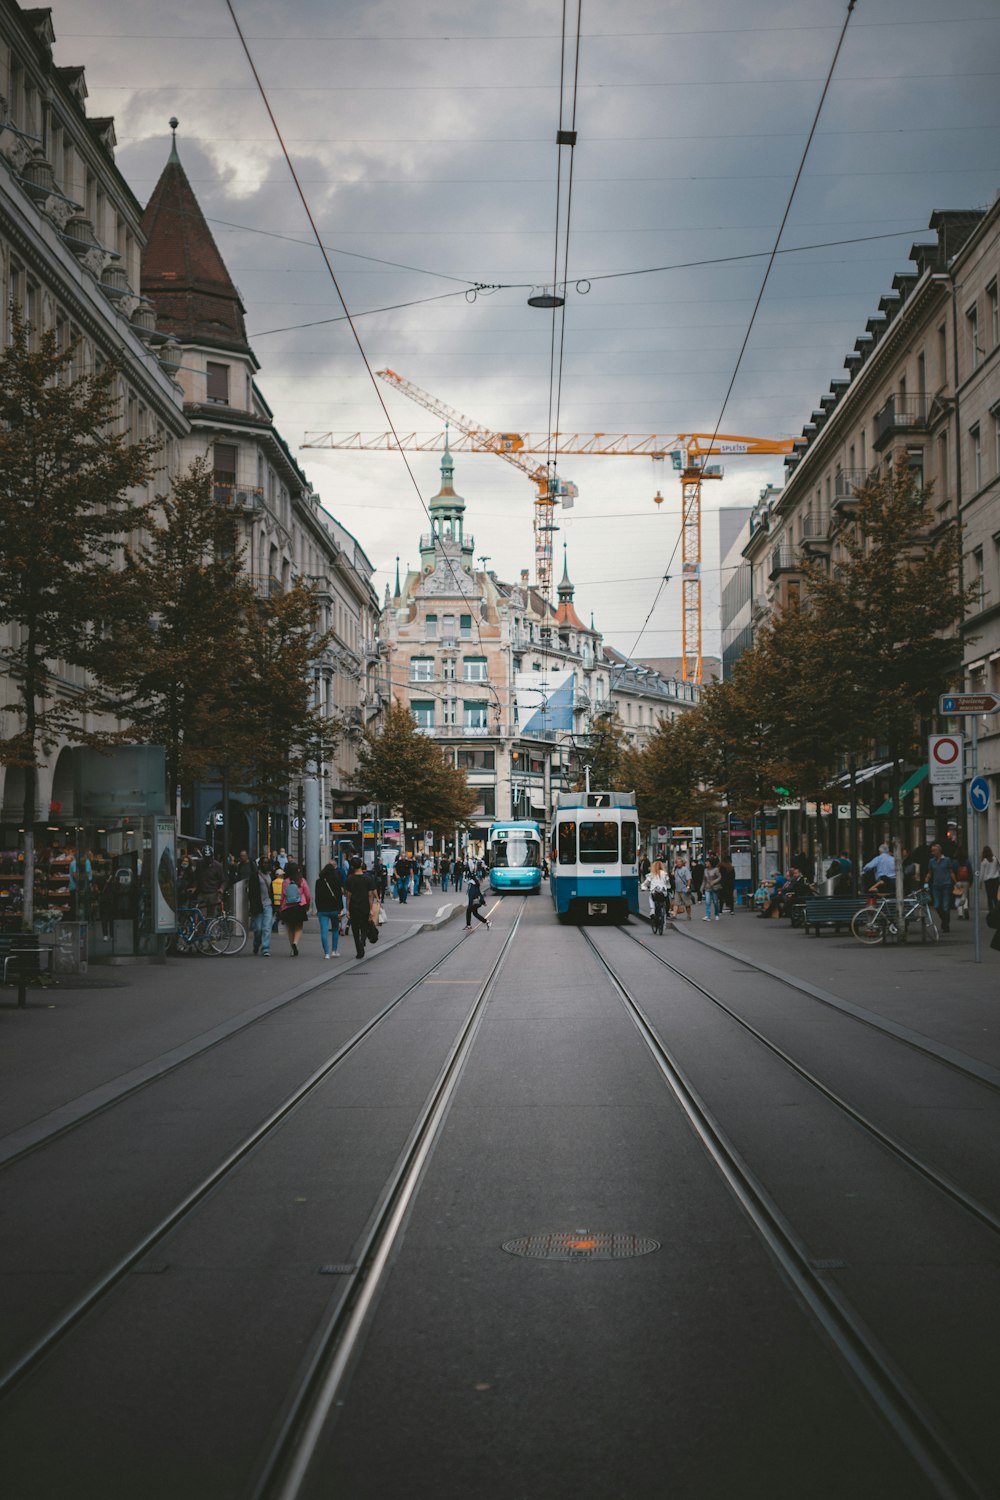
x: 484, y: 288
x: 760, y: 295
x: 347, y: 314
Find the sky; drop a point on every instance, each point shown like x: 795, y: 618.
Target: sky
x: 423, y: 134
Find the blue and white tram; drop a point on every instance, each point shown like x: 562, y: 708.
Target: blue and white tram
x: 515, y: 854
x: 594, y: 869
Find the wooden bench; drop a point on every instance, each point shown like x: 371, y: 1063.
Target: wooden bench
x: 23, y: 960
x: 831, y: 911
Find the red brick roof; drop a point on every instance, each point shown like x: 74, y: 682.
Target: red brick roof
x: 182, y: 270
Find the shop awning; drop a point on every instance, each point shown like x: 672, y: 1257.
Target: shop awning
x: 908, y: 785
x: 865, y: 774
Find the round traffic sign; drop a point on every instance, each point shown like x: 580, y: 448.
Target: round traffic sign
x: 979, y: 794
x: 946, y: 749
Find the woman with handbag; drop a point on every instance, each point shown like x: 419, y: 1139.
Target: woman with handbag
x: 360, y: 904
x: 295, y: 897
x: 329, y: 901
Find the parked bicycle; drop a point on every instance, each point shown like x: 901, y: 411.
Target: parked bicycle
x: 880, y: 923
x: 216, y: 935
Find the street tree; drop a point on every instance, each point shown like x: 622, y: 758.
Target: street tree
x: 68, y: 472
x: 401, y: 768
x: 604, y: 753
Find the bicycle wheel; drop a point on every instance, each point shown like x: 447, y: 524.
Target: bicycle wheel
x: 226, y: 935
x: 868, y: 926
x: 929, y: 932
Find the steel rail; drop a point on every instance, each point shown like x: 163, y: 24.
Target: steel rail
x: 930, y: 1174
x: 89, y: 1299
x: 980, y: 1073
x: 316, y: 1390
x: 885, y: 1384
x: 169, y: 1062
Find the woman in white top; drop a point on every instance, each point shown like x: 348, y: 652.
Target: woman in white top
x: 989, y: 876
x: 658, y: 886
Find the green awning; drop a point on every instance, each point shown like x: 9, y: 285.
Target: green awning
x: 908, y: 785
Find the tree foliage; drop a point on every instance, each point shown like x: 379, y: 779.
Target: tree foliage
x: 67, y: 474
x: 401, y: 768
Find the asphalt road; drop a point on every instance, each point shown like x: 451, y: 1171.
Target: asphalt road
x: 690, y: 1364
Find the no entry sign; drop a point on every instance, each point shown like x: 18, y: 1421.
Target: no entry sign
x: 946, y: 759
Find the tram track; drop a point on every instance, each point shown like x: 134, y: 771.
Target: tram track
x: 921, y: 1432
x: 101, y: 1286
x: 62, y: 1122
x: 296, y: 1440
x: 970, y: 1068
x: 901, y: 1152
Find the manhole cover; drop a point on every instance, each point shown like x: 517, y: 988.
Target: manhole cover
x: 581, y: 1244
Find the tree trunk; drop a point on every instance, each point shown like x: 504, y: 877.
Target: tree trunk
x: 28, y: 890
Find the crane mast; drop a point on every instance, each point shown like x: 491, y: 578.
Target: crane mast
x: 508, y: 446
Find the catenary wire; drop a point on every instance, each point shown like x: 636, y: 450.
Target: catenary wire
x: 455, y: 571
x: 767, y: 272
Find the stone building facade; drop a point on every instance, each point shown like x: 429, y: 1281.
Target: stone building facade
x: 922, y: 388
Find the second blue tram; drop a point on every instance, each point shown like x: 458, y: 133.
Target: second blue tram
x: 594, y: 869
x: 515, y: 854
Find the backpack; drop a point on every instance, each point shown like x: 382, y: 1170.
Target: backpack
x: 293, y: 896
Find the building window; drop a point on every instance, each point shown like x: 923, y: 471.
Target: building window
x: 474, y: 669
x: 217, y: 382
x: 972, y: 323
x: 448, y: 669
x: 996, y: 439
x: 423, y: 713
x: 450, y: 710
x: 942, y: 471
x: 915, y: 459
x: 977, y: 457
x: 486, y: 805
x: 448, y: 627
x: 224, y: 463
x: 991, y: 293
x: 474, y: 715
x: 422, y: 669
x: 476, y: 760
x: 977, y: 577
x: 431, y: 627
x: 465, y: 627
x: 942, y: 355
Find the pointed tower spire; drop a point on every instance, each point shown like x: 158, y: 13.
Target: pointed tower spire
x: 566, y: 589
x: 183, y: 273
x: 397, y: 595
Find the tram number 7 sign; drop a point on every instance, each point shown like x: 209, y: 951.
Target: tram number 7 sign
x: 946, y: 759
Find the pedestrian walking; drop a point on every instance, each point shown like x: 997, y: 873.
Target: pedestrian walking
x: 712, y: 877
x: 989, y: 877
x: 360, y: 892
x: 428, y: 872
x: 458, y: 874
x: 402, y: 875
x: 940, y: 876
x: 445, y: 871
x: 697, y: 879
x: 682, y: 888
x: 277, y: 881
x: 261, y: 910
x: 380, y: 875
x: 210, y: 881
x: 329, y: 894
x: 476, y: 900
x: 727, y: 890
x: 295, y: 897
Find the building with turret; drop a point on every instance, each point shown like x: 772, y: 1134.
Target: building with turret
x: 504, y: 680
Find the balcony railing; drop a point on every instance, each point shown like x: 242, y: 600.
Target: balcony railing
x: 816, y: 527
x: 901, y: 416
x: 235, y: 496
x: 265, y: 584
x: 784, y: 559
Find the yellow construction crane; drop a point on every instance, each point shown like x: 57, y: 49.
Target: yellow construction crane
x: 689, y: 454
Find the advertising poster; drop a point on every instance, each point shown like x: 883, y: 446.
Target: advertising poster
x: 391, y: 833
x: 164, y: 876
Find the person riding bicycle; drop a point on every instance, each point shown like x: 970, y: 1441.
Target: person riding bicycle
x: 658, y: 886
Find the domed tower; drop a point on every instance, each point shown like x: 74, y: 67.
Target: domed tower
x: 447, y: 535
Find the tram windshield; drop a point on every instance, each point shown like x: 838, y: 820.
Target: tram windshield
x: 517, y: 851
x: 598, y: 843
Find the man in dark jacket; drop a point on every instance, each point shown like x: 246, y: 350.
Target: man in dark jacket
x: 360, y: 896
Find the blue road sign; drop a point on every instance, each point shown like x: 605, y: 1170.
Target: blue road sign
x: 979, y: 794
